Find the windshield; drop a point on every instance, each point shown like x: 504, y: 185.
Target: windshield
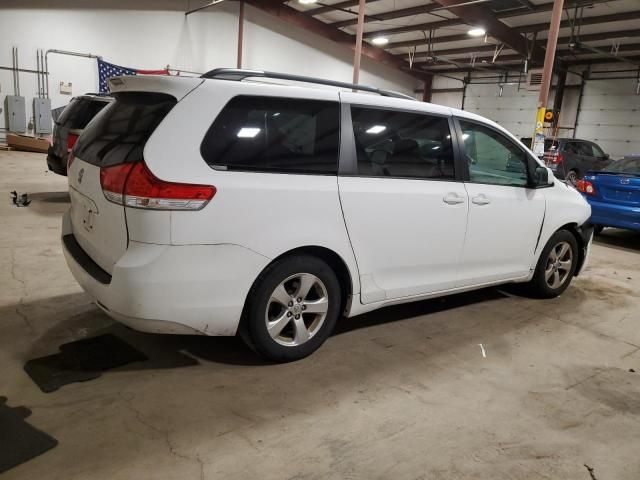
x: 630, y: 166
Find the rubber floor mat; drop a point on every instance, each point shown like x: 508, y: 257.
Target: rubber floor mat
x: 80, y: 361
x: 19, y: 441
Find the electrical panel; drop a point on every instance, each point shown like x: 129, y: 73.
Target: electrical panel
x: 16, y: 115
x: 42, y: 115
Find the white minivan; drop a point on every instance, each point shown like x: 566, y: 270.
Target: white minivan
x: 255, y: 203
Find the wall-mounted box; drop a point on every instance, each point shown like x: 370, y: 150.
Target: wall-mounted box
x: 42, y: 114
x: 16, y: 116
x: 66, y: 88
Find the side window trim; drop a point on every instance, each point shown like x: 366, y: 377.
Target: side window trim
x: 465, y: 165
x: 347, y: 165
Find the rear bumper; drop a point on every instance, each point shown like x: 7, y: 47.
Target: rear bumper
x: 619, y: 216
x: 56, y: 164
x: 191, y: 289
x: 586, y: 233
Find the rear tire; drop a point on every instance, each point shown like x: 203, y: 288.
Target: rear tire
x: 572, y: 177
x: 292, y: 308
x: 556, y: 266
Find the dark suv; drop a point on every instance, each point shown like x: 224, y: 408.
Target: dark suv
x: 570, y: 158
x: 69, y: 126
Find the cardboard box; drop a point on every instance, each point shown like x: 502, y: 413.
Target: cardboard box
x: 26, y: 143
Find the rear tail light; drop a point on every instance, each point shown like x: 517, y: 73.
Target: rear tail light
x: 586, y: 187
x: 72, y: 138
x: 553, y: 158
x: 133, y: 185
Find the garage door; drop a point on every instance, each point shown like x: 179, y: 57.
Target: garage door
x: 515, y: 110
x: 610, y: 116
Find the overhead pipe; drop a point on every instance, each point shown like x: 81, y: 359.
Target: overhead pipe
x: 38, y: 74
x: 62, y: 52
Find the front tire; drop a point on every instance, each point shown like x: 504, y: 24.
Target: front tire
x: 556, y: 266
x: 292, y: 308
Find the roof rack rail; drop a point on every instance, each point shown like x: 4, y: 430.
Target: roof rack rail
x: 239, y: 74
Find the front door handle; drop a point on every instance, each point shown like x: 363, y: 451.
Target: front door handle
x: 481, y: 199
x: 453, y: 198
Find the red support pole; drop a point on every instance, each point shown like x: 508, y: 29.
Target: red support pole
x: 358, y: 54
x: 240, y: 32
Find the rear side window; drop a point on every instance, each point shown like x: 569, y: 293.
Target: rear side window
x: 119, y: 132
x: 269, y: 134
x: 80, y: 112
x: 391, y: 143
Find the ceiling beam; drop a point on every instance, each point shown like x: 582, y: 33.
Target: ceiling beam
x: 310, y: 24
x: 518, y: 58
x: 405, y: 12
x: 334, y: 7
x: 591, y: 37
x: 479, y: 15
x: 534, y: 27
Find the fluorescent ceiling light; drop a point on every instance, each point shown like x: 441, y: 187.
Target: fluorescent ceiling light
x: 477, y: 32
x: 380, y: 40
x: 306, y: 2
x: 376, y: 129
x: 248, y: 132
x: 465, y: 136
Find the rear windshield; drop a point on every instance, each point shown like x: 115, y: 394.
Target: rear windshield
x: 80, y: 112
x: 629, y: 166
x: 548, y: 143
x: 118, y: 134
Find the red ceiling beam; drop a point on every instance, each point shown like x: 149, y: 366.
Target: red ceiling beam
x: 483, y: 17
x: 310, y: 24
x: 392, y: 14
x: 335, y: 6
x: 534, y: 27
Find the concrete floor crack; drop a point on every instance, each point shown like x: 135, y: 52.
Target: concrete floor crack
x: 164, y: 433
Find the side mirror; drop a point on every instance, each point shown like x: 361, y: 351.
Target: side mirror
x: 541, y: 176
x: 606, y: 156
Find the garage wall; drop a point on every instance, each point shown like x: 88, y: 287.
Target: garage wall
x: 149, y: 34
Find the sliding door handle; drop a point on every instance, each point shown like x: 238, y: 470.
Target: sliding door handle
x: 481, y: 199
x: 453, y: 198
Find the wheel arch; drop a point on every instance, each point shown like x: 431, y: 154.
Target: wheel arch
x: 574, y: 229
x: 333, y: 259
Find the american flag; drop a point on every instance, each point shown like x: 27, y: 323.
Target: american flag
x: 107, y: 70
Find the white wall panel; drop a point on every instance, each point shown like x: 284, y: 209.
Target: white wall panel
x: 149, y: 34
x: 610, y: 116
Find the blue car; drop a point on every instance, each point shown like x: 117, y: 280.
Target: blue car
x: 614, y: 194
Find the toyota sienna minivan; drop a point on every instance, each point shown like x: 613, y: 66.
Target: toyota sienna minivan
x: 255, y: 203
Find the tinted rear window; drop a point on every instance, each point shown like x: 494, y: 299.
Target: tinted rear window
x: 271, y: 134
x: 119, y: 132
x: 80, y: 112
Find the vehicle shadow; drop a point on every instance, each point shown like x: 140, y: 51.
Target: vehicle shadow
x: 626, y: 240
x: 50, y: 197
x: 181, y: 351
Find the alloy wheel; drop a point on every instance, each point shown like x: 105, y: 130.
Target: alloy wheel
x: 296, y: 309
x: 559, y: 263
x: 572, y: 177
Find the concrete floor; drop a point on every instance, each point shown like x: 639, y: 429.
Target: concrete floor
x: 401, y: 393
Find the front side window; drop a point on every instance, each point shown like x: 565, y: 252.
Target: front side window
x: 492, y: 157
x: 279, y: 135
x: 399, y: 144
x: 597, y: 152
